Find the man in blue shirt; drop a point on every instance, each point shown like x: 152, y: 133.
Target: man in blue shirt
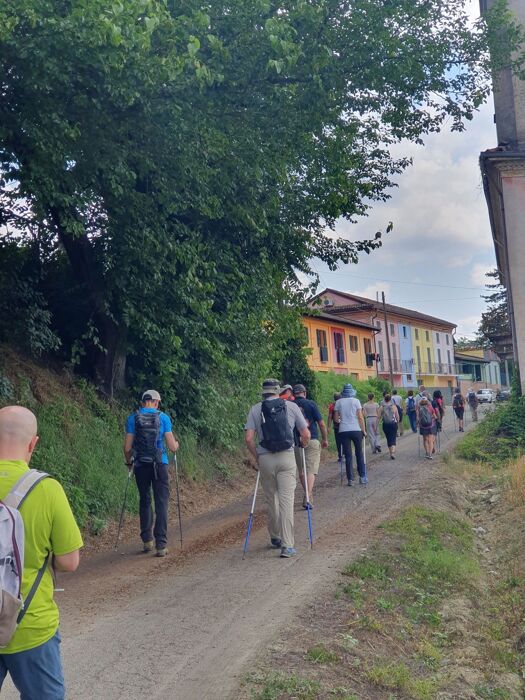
x: 312, y: 452
x: 148, y: 438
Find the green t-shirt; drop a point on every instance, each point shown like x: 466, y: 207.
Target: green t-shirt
x: 49, y: 526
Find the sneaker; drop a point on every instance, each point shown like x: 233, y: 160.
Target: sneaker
x: 379, y: 449
x: 392, y: 456
x: 287, y: 552
x: 363, y: 480
x: 147, y: 546
x: 275, y: 542
x: 350, y: 482
x: 161, y: 552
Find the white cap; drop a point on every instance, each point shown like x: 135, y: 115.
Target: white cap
x: 151, y: 395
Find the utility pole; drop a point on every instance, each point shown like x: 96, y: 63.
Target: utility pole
x: 389, y: 350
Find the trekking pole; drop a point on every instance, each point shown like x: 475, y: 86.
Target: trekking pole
x: 130, y: 473
x: 308, y: 506
x: 250, y: 517
x: 178, y: 495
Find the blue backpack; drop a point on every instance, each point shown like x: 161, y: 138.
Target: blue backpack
x: 411, y: 404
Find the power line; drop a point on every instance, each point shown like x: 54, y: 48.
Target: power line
x: 380, y: 279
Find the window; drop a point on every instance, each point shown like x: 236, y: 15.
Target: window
x: 339, y: 346
x: 353, y: 341
x: 418, y: 354
x: 392, y: 330
x: 447, y: 339
x: 416, y: 333
x: 380, y: 348
x: 437, y: 337
x: 448, y: 360
x: 427, y: 335
x: 429, y: 358
x: 409, y: 377
x: 404, y: 331
x: 367, y: 343
x: 354, y: 375
x: 394, y: 352
x: 439, y: 356
x: 322, y: 345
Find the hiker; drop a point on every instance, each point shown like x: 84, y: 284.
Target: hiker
x: 352, y: 429
x: 422, y: 393
x: 473, y: 403
x: 312, y: 453
x: 389, y: 414
x: 458, y: 404
x: 148, y: 434
x: 371, y: 413
x: 439, y: 407
x: 273, y: 422
x: 52, y: 541
x: 331, y: 421
x: 411, y: 410
x: 427, y: 418
x: 398, y: 401
x: 287, y: 393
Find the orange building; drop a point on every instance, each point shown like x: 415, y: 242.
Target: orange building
x: 340, y: 345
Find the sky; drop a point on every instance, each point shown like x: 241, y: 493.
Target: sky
x: 441, y: 232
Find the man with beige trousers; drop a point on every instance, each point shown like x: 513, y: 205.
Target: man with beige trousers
x: 273, y: 421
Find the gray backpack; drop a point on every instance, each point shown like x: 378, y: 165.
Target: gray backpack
x: 12, y: 606
x: 389, y: 417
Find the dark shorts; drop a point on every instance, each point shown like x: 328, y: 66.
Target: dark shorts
x: 428, y: 431
x: 390, y: 431
x: 460, y: 412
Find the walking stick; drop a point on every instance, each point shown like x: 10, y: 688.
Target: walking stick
x: 178, y: 495
x: 130, y: 472
x: 308, y: 506
x: 250, y: 517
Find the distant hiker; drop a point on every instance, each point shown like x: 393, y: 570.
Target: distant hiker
x: 352, y: 429
x: 287, y: 393
x: 458, y: 404
x: 148, y: 434
x: 473, y: 403
x: 52, y: 540
x: 398, y: 401
x: 331, y: 422
x: 273, y: 422
x: 411, y: 410
x: 427, y: 418
x: 312, y: 453
x: 389, y: 414
x: 439, y: 406
x: 371, y: 413
x: 422, y: 393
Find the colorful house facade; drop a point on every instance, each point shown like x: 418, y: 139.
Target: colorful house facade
x: 413, y: 347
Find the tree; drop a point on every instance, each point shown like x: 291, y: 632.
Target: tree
x: 183, y: 158
x: 495, y: 323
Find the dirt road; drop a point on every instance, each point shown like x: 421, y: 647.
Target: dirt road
x: 186, y: 627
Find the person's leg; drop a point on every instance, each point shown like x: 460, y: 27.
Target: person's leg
x: 144, y: 478
x: 338, y: 444
x: 267, y: 469
x: 161, y: 494
x: 461, y: 425
x: 347, y: 451
x: 3, y: 671
x: 412, y: 416
x: 37, y: 673
x: 285, y: 481
x: 426, y: 445
x: 312, y: 456
x: 357, y: 439
x: 298, y: 452
x: 401, y: 427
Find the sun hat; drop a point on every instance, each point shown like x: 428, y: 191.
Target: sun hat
x: 271, y: 386
x: 348, y: 392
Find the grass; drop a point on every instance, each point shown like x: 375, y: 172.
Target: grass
x: 319, y: 654
x: 278, y: 685
x: 398, y: 676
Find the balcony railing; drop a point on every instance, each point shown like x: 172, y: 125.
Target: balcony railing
x: 419, y: 368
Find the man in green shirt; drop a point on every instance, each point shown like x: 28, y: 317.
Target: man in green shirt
x: 32, y: 657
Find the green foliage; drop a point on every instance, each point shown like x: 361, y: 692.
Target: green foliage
x: 500, y: 437
x: 319, y: 654
x: 279, y: 685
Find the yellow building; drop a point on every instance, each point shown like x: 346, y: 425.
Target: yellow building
x: 341, y: 346
x: 424, y: 354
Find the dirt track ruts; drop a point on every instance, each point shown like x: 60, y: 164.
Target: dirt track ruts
x: 186, y: 627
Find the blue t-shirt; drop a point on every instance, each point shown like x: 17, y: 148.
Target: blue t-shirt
x: 165, y: 427
x: 311, y: 413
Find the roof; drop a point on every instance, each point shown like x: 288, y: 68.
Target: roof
x: 341, y: 321
x: 470, y: 358
x: 391, y: 308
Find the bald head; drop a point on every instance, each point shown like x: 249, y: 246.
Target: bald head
x: 18, y: 428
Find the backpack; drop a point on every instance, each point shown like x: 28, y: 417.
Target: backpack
x: 277, y: 433
x: 411, y: 404
x: 458, y: 401
x: 147, y: 432
x: 12, y: 607
x: 425, y: 417
x: 389, y: 416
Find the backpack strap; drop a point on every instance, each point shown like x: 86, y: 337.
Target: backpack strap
x: 23, y: 487
x: 33, y: 590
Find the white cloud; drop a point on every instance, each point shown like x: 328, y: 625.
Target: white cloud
x: 478, y: 274
x: 468, y: 326
x: 372, y: 290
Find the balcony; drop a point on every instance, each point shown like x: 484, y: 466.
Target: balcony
x: 418, y: 368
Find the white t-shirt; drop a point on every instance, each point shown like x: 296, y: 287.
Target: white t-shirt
x: 347, y: 409
x: 397, y: 400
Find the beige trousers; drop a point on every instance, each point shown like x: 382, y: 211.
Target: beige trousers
x: 278, y: 481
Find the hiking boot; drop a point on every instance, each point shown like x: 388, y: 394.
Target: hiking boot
x: 275, y: 542
x: 161, y: 552
x: 287, y: 552
x: 147, y: 546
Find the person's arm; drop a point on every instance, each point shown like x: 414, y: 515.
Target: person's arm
x: 324, y: 433
x: 171, y: 442
x: 128, y: 449
x: 66, y: 562
x: 330, y: 416
x: 304, y: 434
x: 361, y: 420
x: 249, y: 439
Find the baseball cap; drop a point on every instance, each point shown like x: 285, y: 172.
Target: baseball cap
x: 286, y: 387
x: 299, y: 389
x: 271, y: 386
x: 151, y: 395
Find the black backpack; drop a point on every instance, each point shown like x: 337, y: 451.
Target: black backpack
x: 147, y: 432
x: 277, y: 434
x: 458, y: 401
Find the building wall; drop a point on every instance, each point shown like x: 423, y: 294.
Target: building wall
x: 406, y: 350
x: 354, y: 363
